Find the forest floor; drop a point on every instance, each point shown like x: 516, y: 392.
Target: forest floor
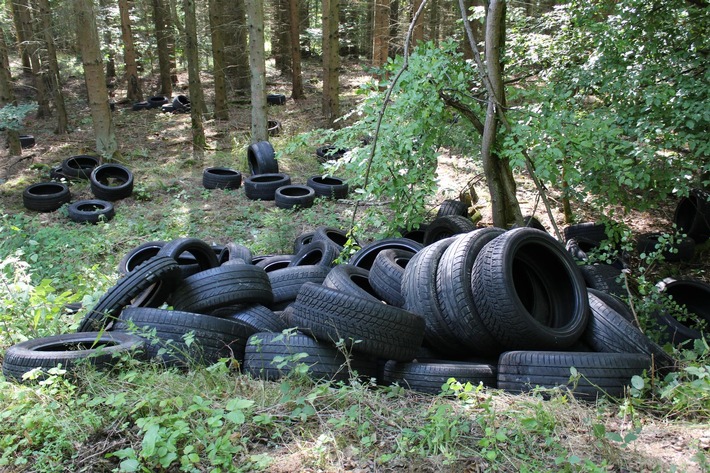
x: 157, y: 147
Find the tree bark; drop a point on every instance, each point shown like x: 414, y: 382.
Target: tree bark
x: 236, y: 49
x: 33, y: 51
x: 381, y: 33
x: 55, y: 79
x: 7, y: 97
x: 165, y: 40
x: 434, y: 21
x: 255, y: 25
x: 331, y: 62
x: 281, y: 47
x: 23, y: 35
x: 221, y: 110
x: 104, y: 14
x: 296, y: 75
x: 195, y: 85
x: 418, y: 31
x: 88, y: 37
x: 133, y: 85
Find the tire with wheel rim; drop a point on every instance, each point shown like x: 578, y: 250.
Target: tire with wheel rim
x: 45, y: 196
x: 91, y: 211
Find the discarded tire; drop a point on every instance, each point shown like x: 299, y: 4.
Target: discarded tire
x: 91, y: 211
x: 276, y: 99
x: 263, y: 186
x: 262, y: 158
x: 27, y: 141
x: 326, y: 153
x: 682, y: 249
x: 286, y: 282
x: 138, y: 106
x: 273, y: 127
x: 80, y: 166
x: 139, y: 254
x: 221, y: 178
x: 452, y: 207
x: 446, y: 226
x: 294, y: 196
x: 45, y: 196
x: 203, y: 255
x: 386, y: 275
x: 692, y: 215
x: 589, y: 230
x: 273, y: 262
x: 694, y: 296
x: 67, y: 350
x: 352, y: 280
x: 157, y: 101
x: 365, y: 256
x: 333, y: 235
x: 181, y: 103
x: 259, y: 318
x: 430, y: 376
x: 328, y: 187
x: 111, y: 182
x: 318, y: 252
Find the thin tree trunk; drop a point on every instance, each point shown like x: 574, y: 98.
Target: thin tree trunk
x: 331, y: 62
x: 23, y: 35
x: 297, y: 77
x: 236, y: 49
x: 164, y: 39
x: 104, y: 11
x: 33, y: 51
x: 88, y: 37
x: 255, y: 24
x: 434, y: 21
x: 381, y: 33
x: 133, y: 85
x: 7, y: 97
x: 54, y: 77
x: 281, y: 47
x: 418, y: 31
x: 195, y: 86
x: 221, y: 110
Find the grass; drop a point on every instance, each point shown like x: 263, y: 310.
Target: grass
x: 141, y: 417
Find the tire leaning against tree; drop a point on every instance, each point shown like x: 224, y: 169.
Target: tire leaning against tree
x: 111, y: 182
x: 529, y: 292
x: 45, y: 196
x: 364, y: 326
x: 68, y: 351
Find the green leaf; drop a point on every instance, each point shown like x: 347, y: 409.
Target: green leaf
x: 150, y: 439
x: 129, y: 465
x: 637, y: 382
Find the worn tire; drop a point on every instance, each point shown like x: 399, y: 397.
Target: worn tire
x: 111, y: 182
x: 302, y: 240
x: 330, y: 153
x: 529, y: 292
x: 204, y: 255
x: 328, y: 186
x: 262, y: 158
x: 275, y: 99
x: 365, y: 326
x: 601, y: 373
x: 446, y: 226
x: 274, y: 262
x: 286, y: 282
x: 273, y: 127
x: 333, y: 235
x: 352, y: 280
x: 603, y: 277
x: 234, y: 251
x: 694, y: 295
x: 157, y: 101
x: 259, y: 318
x: 318, y: 252
x: 45, y: 196
x: 589, y: 230
x: 431, y: 375
x: 682, y: 250
x: 294, y: 196
x: 91, y: 211
x: 386, y: 275
x: 692, y: 215
x: 68, y: 350
x: 263, y: 186
x: 365, y: 256
x: 79, y: 166
x: 452, y: 207
x: 221, y: 178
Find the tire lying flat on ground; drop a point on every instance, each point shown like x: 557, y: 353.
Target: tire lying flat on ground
x: 79, y: 166
x: 263, y: 186
x: 111, y: 182
x: 46, y: 196
x: 429, y: 376
x: 294, y: 196
x: 221, y: 178
x: 91, y: 211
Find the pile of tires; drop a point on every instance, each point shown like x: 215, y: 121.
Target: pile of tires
x: 508, y: 309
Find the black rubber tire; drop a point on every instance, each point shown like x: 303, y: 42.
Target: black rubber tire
x: 167, y: 108
x: 692, y: 215
x: 294, y: 196
x: 333, y: 235
x: 682, y: 250
x: 529, y: 292
x: 27, y: 141
x: 616, y: 303
x: 68, y: 350
x: 302, y: 240
x: 365, y: 326
x: 589, y: 230
x: 273, y: 262
x: 330, y: 153
x: 234, y: 251
x: 275, y: 99
x: 138, y: 106
x: 452, y: 207
x: 386, y: 275
x: 91, y: 211
x: 111, y: 182
x: 601, y: 373
x: 45, y: 196
x: 455, y: 294
x: 157, y: 101
x: 694, y: 295
x: 273, y: 127
x: 181, y: 103
x: 351, y: 280
x: 56, y: 173
x: 580, y: 246
x: 328, y: 186
x: 138, y: 255
x: 272, y: 356
x: 152, y: 282
x: 166, y: 331
x: 604, y: 277
x: 79, y: 166
x: 365, y: 256
x: 263, y: 186
x: 221, y: 178
x: 259, y: 318
x: 203, y: 254
x: 415, y: 234
x: 610, y: 332
x: 286, y: 282
x: 446, y: 226
x: 262, y: 158
x: 431, y: 375
x: 419, y: 292
x: 221, y: 287
x: 532, y: 222
x: 317, y: 252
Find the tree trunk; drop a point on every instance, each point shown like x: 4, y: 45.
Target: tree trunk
x: 7, y: 97
x: 221, y: 110
x: 255, y: 24
x: 418, y: 31
x: 165, y: 40
x: 195, y: 85
x: 23, y: 35
x: 88, y: 38
x: 33, y: 51
x: 105, y: 14
x: 381, y: 33
x: 434, y: 21
x: 54, y: 78
x: 236, y: 51
x: 331, y: 62
x: 133, y: 85
x: 297, y: 77
x: 281, y: 47
x: 475, y: 26
x: 394, y: 25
